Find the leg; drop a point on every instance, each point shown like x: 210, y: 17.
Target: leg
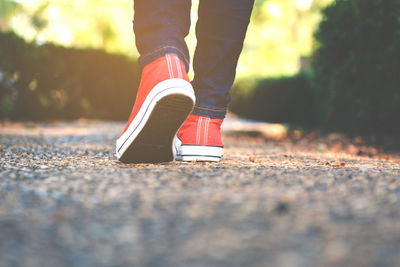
x: 165, y: 96
x: 220, y: 32
x: 160, y: 28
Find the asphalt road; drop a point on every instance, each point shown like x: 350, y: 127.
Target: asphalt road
x: 66, y: 201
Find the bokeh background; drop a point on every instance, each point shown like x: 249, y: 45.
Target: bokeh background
x: 323, y: 64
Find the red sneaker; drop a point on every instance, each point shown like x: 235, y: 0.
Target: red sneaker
x: 164, y: 100
x: 199, y: 139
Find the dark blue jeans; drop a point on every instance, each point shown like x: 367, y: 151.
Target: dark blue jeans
x: 160, y: 27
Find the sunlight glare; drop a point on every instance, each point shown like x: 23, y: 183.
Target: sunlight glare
x: 303, y: 5
x: 273, y: 9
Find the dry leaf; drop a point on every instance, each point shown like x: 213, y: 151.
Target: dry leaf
x: 352, y: 149
x: 383, y: 157
x: 335, y: 164
x: 338, y: 164
x: 297, y: 134
x: 336, y: 147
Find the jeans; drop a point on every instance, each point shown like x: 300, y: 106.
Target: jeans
x: 160, y: 27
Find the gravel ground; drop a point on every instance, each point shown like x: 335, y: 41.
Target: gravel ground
x: 66, y: 201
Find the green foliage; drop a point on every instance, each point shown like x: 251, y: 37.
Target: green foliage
x: 38, y: 20
x: 280, y: 32
x: 8, y: 8
x: 357, y: 66
x: 285, y: 99
x: 98, y: 24
x: 53, y: 82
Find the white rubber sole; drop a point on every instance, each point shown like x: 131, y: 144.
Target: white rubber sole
x: 149, y: 137
x: 197, y: 152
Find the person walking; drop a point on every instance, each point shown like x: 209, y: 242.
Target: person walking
x: 173, y: 117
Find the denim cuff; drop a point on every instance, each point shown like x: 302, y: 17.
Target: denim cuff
x: 162, y: 51
x: 209, y: 112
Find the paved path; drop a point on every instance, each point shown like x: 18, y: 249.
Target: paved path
x: 66, y: 201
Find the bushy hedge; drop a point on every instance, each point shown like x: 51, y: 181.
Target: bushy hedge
x: 354, y: 84
x: 54, y: 82
x: 357, y: 66
x: 284, y: 99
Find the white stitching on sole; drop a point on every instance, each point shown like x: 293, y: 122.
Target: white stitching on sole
x: 201, y: 153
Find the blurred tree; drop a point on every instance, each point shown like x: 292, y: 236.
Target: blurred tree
x: 280, y: 32
x: 38, y: 19
x: 8, y: 8
x: 106, y: 31
x: 356, y: 66
x: 78, y: 23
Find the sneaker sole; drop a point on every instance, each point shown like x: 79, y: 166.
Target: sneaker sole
x: 149, y: 137
x: 200, y: 153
